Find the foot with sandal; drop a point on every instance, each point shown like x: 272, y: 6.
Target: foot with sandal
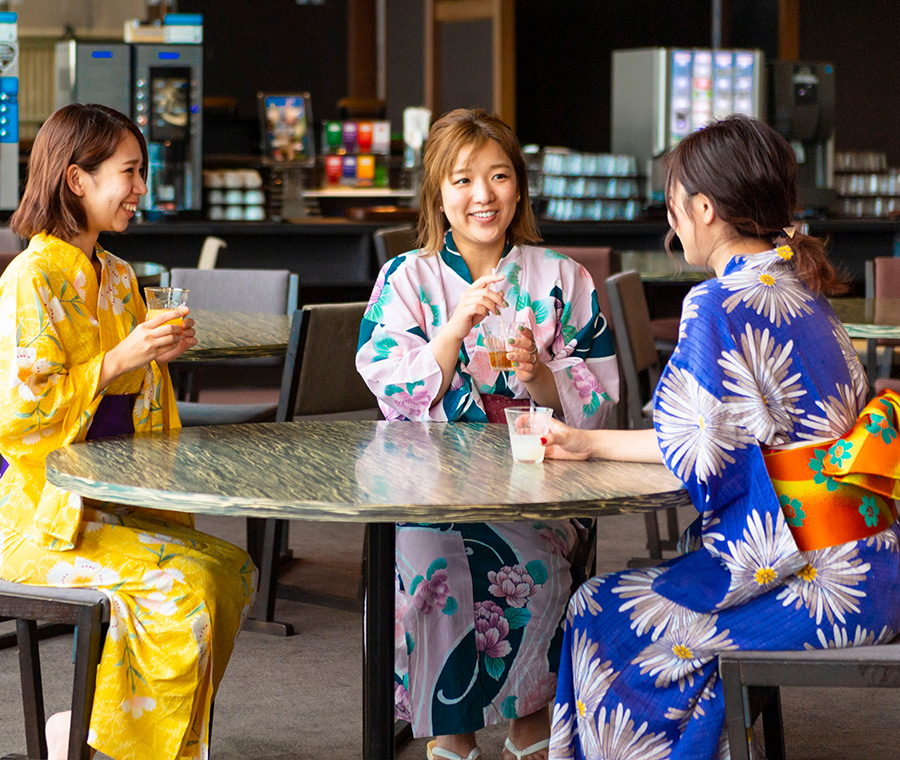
x: 524, y: 733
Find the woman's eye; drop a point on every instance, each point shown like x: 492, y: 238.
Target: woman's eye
x: 501, y: 176
x: 461, y: 181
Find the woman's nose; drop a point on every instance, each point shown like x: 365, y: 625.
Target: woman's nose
x: 483, y: 191
x: 140, y: 185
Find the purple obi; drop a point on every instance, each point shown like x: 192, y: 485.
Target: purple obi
x: 113, y: 417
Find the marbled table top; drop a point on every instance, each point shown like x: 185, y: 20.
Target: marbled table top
x: 234, y: 334
x: 869, y: 317
x: 354, y: 471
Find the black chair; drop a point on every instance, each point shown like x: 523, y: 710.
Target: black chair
x: 392, y: 241
x: 751, y: 681
x: 88, y: 611
x: 639, y: 363
x: 320, y: 381
x: 264, y: 291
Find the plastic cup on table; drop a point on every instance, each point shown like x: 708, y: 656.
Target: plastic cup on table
x: 527, y: 425
x: 165, y: 299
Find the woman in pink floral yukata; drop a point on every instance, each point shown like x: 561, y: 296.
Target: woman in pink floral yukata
x: 479, y: 605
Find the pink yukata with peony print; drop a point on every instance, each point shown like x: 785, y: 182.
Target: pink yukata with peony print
x: 480, y: 605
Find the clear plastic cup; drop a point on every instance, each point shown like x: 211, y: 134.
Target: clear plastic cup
x: 526, y: 428
x: 165, y: 299
x: 495, y: 334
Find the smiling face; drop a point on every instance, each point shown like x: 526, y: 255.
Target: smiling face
x: 479, y: 197
x: 110, y: 195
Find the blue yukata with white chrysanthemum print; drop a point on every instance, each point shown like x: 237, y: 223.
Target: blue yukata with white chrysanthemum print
x: 760, y: 362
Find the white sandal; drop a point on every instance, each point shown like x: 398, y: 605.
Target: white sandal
x: 436, y: 752
x: 522, y: 753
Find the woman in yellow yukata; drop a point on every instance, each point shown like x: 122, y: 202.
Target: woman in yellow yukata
x: 79, y: 361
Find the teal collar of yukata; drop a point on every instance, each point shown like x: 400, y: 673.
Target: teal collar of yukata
x: 452, y: 258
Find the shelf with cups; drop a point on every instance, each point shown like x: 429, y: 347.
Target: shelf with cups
x: 865, y: 185
x: 570, y: 186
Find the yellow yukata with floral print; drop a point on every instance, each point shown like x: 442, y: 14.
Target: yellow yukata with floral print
x: 178, y: 597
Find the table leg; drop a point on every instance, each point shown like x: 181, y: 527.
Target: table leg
x: 378, y: 645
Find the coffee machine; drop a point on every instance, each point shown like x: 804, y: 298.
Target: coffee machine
x: 801, y: 109
x: 9, y: 111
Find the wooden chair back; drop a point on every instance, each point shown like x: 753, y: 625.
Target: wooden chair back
x: 602, y: 262
x: 392, y: 241
x: 635, y: 345
x: 320, y: 376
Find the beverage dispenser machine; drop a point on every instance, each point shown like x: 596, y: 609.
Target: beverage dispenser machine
x: 168, y: 98
x: 160, y: 85
x: 9, y: 112
x: 661, y: 95
x: 801, y: 109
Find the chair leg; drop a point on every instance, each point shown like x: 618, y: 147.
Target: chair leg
x: 32, y: 688
x: 262, y: 544
x: 672, y: 527
x: 88, y: 647
x: 773, y: 726
x: 737, y: 710
x: 654, y: 547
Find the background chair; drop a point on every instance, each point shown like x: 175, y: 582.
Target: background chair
x: 883, y: 281
x: 320, y: 381
x: 86, y: 609
x: 639, y: 363
x: 265, y: 291
x: 601, y: 262
x: 751, y: 681
x: 209, y: 252
x: 392, y: 241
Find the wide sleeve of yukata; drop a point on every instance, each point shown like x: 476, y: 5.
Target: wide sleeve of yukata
x: 579, y: 348
x: 46, y: 398
x: 393, y: 355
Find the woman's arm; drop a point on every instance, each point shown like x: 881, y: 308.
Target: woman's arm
x: 564, y: 442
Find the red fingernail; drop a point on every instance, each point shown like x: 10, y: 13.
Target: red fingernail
x: 543, y: 441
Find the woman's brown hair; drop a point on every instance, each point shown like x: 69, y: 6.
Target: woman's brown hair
x: 749, y: 172
x: 448, y: 136
x: 84, y: 135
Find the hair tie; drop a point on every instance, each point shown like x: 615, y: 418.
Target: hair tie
x: 786, y: 235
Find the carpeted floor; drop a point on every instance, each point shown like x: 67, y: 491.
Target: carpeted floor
x: 300, y: 698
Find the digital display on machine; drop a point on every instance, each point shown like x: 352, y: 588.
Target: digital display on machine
x: 706, y: 85
x: 285, y: 121
x: 170, y: 103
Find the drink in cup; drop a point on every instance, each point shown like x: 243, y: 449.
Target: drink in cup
x: 494, y: 335
x: 526, y: 428
x: 160, y: 300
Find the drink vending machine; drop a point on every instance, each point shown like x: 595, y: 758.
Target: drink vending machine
x: 9, y: 112
x: 661, y: 95
x: 161, y: 87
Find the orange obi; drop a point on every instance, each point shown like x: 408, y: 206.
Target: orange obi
x: 832, y: 492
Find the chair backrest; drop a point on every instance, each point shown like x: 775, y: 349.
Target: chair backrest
x: 392, y: 241
x: 320, y: 376
x: 635, y: 345
x: 209, y: 252
x: 883, y: 281
x: 601, y: 262
x: 264, y: 291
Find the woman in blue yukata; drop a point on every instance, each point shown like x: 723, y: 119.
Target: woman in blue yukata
x: 761, y: 413
x: 480, y: 606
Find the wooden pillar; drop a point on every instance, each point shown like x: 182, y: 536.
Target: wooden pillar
x: 502, y: 15
x: 789, y: 30
x: 362, y: 50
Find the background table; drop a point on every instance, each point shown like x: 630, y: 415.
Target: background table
x: 234, y: 334
x: 360, y: 471
x: 869, y: 319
